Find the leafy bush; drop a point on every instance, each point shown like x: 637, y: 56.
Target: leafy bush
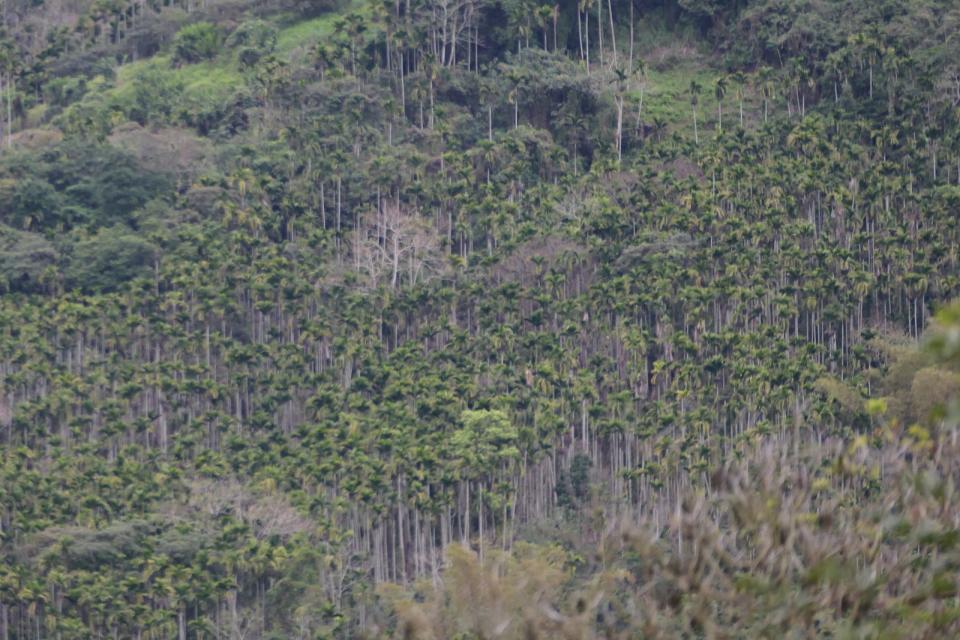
x: 109, y: 259
x: 156, y: 94
x: 90, y: 549
x: 74, y: 184
x: 196, y: 42
x: 23, y: 259
x: 253, y: 40
x: 785, y: 544
x: 30, y: 203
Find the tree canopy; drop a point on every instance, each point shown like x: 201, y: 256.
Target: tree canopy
x: 490, y: 318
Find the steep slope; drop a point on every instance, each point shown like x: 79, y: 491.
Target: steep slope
x: 299, y: 296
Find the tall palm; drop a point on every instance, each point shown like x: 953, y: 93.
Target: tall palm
x: 740, y: 79
x: 544, y: 16
x: 620, y: 79
x: 640, y: 70
x: 766, y: 88
x: 694, y: 90
x: 720, y: 91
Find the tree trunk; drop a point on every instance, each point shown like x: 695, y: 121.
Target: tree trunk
x: 613, y: 31
x: 580, y: 33
x: 640, y: 106
x: 619, y: 129
x: 600, y: 30
x: 182, y: 624
x: 11, y: 88
x: 586, y: 37
x: 696, y: 136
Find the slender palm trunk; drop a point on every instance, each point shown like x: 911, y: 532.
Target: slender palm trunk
x: 11, y: 87
x: 619, y: 129
x: 600, y: 30
x: 696, y: 136
x: 640, y: 107
x: 586, y: 36
x: 580, y: 33
x: 613, y: 31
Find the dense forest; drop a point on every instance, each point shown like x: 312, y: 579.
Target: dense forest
x: 479, y: 319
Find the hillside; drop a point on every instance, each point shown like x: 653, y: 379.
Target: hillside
x: 490, y: 318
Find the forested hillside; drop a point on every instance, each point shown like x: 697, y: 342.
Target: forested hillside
x: 479, y: 319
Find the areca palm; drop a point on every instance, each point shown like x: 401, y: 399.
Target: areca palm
x: 720, y: 91
x: 740, y: 79
x: 694, y: 93
x: 640, y: 71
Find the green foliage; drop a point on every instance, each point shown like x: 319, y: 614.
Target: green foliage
x: 944, y: 338
x: 156, y: 95
x: 848, y: 401
x: 75, y: 184
x: 25, y: 259
x: 487, y: 438
x: 31, y: 203
x: 88, y: 549
x: 704, y: 575
x: 196, y: 42
x: 108, y: 259
x: 366, y: 285
x: 252, y: 40
x: 580, y: 476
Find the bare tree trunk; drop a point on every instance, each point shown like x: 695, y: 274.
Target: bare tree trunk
x: 11, y: 88
x: 696, y: 136
x: 580, y: 33
x: 234, y: 615
x: 432, y: 106
x: 480, y: 519
x: 600, y: 29
x: 640, y: 106
x: 619, y: 129
x: 556, y: 16
x: 586, y: 36
x: 323, y: 207
x: 182, y: 624
x: 453, y: 44
x: 403, y: 90
x: 338, y: 217
x: 395, y: 261
x: 613, y: 30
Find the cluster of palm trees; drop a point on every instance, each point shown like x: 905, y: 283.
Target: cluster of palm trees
x: 565, y: 322
x: 685, y: 318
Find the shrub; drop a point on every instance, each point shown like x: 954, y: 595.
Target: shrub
x: 196, y: 42
x: 32, y: 203
x: 253, y: 40
x: 156, y: 94
x: 109, y: 259
x: 23, y: 259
